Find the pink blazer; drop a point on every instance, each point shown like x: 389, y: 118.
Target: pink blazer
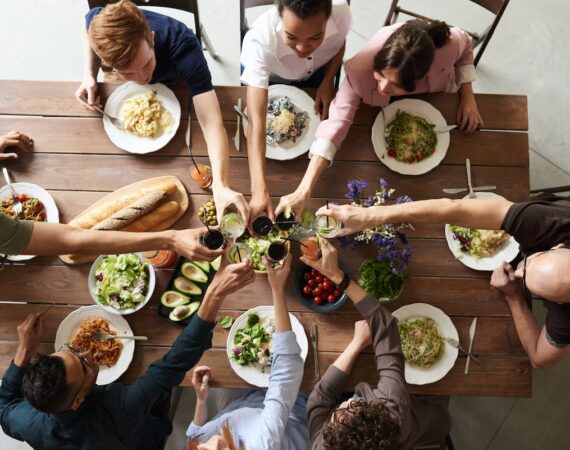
x: 360, y: 86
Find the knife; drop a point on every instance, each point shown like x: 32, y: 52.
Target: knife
x: 188, y: 131
x: 314, y: 337
x: 237, y: 136
x: 472, y: 330
x: 469, y: 185
x: 479, y: 188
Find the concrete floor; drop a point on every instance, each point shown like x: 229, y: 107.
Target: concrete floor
x: 527, y: 55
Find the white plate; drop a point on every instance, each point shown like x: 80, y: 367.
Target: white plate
x: 110, y: 309
x: 69, y: 326
x: 32, y: 190
x: 251, y: 374
x: 127, y: 141
x: 419, y: 375
x: 303, y: 102
x: 487, y: 263
x: 417, y: 108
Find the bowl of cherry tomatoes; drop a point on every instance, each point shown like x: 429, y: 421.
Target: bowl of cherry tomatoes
x: 316, y: 291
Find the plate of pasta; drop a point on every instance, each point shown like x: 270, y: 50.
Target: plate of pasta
x: 38, y: 206
x: 423, y: 331
x: 113, y: 356
x: 291, y: 123
x: 408, y: 142
x: 150, y: 116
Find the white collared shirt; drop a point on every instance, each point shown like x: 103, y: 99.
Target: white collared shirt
x: 265, y: 56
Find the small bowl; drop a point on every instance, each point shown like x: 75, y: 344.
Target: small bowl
x: 308, y: 302
x: 121, y: 312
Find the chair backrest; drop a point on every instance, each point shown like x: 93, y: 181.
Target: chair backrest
x: 243, y: 5
x: 190, y: 6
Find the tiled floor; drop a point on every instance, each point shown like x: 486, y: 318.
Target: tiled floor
x: 527, y: 55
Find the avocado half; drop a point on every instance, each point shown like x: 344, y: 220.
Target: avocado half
x: 193, y: 272
x: 172, y: 299
x: 204, y: 265
x: 186, y: 286
x: 183, y: 312
x: 216, y: 263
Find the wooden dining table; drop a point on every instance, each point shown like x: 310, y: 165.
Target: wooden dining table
x: 74, y: 160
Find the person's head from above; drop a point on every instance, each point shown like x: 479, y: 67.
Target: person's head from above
x: 546, y: 274
x: 60, y: 381
x: 361, y: 425
x: 304, y: 24
x: 121, y: 37
x: 221, y: 441
x: 407, y: 55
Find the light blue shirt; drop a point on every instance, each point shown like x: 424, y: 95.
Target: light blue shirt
x: 273, y: 420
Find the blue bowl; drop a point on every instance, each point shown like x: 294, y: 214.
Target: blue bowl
x: 326, y: 307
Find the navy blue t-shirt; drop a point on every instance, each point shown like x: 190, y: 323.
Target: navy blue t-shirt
x: 179, y: 55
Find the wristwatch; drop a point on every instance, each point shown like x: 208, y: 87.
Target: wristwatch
x: 344, y: 283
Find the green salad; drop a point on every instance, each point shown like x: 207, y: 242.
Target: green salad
x: 121, y: 281
x: 377, y: 278
x: 252, y: 343
x: 422, y: 344
x: 258, y: 246
x: 479, y: 243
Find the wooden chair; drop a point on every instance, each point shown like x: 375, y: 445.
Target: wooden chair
x: 552, y: 190
x: 190, y: 6
x: 497, y: 7
x: 447, y: 444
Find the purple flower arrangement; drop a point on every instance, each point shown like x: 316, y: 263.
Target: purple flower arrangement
x: 390, y: 239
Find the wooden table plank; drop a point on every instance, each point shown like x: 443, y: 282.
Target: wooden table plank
x: 87, y: 136
x: 102, y: 173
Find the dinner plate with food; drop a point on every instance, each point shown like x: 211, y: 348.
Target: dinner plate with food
x: 423, y: 331
x: 249, y: 345
x: 405, y: 137
x: 37, y: 205
x: 481, y: 249
x: 113, y: 356
x: 150, y: 114
x: 291, y: 122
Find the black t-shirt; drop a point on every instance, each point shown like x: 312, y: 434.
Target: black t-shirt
x: 179, y: 55
x: 539, y: 225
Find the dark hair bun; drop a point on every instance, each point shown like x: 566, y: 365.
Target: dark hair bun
x: 439, y: 32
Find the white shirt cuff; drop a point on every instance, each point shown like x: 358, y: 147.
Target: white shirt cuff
x: 193, y: 430
x: 464, y: 74
x: 324, y: 148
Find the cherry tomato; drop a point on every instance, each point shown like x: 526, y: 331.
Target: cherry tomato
x: 42, y: 215
x: 314, y: 273
x: 307, y: 290
x: 327, y: 285
x: 22, y: 197
x: 311, y: 282
x: 307, y: 275
x: 317, y: 300
x: 319, y: 278
x: 317, y: 291
x: 337, y: 293
x: 391, y: 152
x: 331, y: 298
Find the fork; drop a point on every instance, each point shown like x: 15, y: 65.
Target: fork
x: 237, y: 135
x: 268, y: 139
x: 107, y: 337
x: 17, y: 204
x: 455, y: 344
x: 118, y: 123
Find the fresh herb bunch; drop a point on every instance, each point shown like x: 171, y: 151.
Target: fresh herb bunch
x: 390, y: 239
x: 378, y: 279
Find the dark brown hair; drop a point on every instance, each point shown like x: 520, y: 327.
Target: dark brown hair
x: 411, y: 49
x: 194, y: 442
x: 304, y: 9
x: 362, y: 425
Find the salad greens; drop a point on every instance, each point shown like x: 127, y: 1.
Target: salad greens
x: 376, y: 278
x: 121, y: 281
x: 252, y: 343
x: 226, y: 322
x: 258, y: 246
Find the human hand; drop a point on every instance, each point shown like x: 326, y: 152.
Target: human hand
x: 231, y: 278
x: 88, y: 90
x: 30, y: 333
x: 328, y: 264
x: 187, y: 243
x: 14, y: 139
x: 201, y: 377
x: 468, y: 117
x: 323, y: 99
x: 260, y: 205
x: 352, y: 217
x: 296, y: 200
x: 278, y: 277
x: 224, y: 197
x: 362, y: 336
x: 503, y: 279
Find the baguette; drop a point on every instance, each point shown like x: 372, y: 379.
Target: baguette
x: 150, y: 220
x: 95, y: 214
x: 131, y: 213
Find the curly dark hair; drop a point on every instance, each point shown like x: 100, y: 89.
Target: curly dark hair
x: 411, y: 49
x: 305, y: 8
x: 363, y: 425
x: 45, y: 386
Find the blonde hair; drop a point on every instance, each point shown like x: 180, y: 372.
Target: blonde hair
x: 193, y: 443
x: 116, y: 32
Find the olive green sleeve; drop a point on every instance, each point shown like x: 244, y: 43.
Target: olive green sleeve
x: 14, y: 234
